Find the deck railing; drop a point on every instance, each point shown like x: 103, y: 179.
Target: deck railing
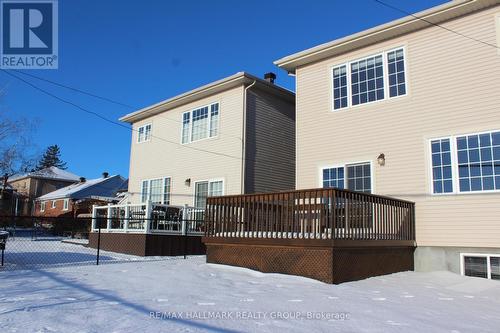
x: 311, y: 214
x: 148, y: 218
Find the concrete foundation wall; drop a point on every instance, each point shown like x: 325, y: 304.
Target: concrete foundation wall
x: 433, y: 258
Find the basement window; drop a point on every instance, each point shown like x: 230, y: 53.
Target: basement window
x: 485, y: 266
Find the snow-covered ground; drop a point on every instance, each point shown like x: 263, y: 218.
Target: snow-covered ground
x: 178, y: 295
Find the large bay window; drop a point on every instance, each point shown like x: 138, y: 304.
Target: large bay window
x: 156, y: 190
x: 364, y: 80
x: 466, y: 163
x: 200, y: 123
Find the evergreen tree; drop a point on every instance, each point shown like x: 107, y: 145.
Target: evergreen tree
x: 51, y: 157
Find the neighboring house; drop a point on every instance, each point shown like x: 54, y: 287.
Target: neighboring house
x: 232, y: 136
x: 37, y: 183
x: 411, y: 110
x: 77, y: 199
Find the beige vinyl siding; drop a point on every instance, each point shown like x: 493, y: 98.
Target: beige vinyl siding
x: 453, y: 88
x: 157, y: 158
x: 270, y: 142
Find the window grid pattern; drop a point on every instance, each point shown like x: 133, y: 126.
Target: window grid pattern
x: 200, y: 124
x: 214, y: 119
x: 216, y: 189
x: 396, y: 69
x: 442, y: 179
x: 340, y: 87
x: 359, y: 177
x: 333, y: 177
x: 186, y: 119
x: 478, y: 158
x: 156, y: 190
x: 367, y: 80
x: 144, y: 133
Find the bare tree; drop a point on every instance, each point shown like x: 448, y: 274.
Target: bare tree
x: 15, y: 144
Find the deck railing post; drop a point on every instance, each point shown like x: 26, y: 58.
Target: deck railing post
x: 184, y: 219
x: 127, y: 217
x: 148, y: 215
x: 108, y: 221
x: 94, y: 218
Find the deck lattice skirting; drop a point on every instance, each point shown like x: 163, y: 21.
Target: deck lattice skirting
x: 327, y: 234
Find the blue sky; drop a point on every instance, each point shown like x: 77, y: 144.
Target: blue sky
x: 141, y: 52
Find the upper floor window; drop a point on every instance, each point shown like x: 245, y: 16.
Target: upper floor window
x: 156, y: 190
x: 367, y: 78
x: 355, y: 177
x: 200, y: 123
x: 144, y: 133
x: 474, y: 168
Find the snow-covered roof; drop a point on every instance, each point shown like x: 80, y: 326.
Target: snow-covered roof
x: 103, y: 187
x: 47, y: 173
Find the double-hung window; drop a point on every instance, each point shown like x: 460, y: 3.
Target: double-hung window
x: 355, y: 177
x: 156, y: 190
x: 466, y: 163
x: 200, y: 123
x: 204, y: 189
x: 144, y: 133
x: 364, y: 80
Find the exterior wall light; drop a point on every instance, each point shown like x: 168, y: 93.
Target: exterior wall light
x: 381, y: 159
x: 187, y: 182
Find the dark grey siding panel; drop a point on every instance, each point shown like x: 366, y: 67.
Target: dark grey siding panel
x: 270, y: 143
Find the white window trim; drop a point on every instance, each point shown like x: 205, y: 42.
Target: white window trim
x: 344, y: 165
x: 42, y: 206
x: 385, y: 78
x: 190, y: 129
x: 66, y: 204
x: 454, y: 165
x: 53, y: 205
x: 212, y: 180
x: 484, y: 255
x: 163, y: 188
x: 150, y: 135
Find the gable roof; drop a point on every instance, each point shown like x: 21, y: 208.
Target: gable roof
x: 434, y: 15
x: 212, y: 88
x: 47, y: 173
x: 103, y: 187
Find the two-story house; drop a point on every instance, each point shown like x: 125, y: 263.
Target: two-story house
x: 411, y: 109
x: 232, y: 136
x: 34, y: 184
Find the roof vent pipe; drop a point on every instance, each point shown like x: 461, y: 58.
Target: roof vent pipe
x: 270, y: 77
x: 82, y: 180
x: 105, y: 174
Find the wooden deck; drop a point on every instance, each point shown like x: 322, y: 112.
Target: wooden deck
x: 328, y: 234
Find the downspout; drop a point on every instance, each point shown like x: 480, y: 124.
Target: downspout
x: 243, y: 137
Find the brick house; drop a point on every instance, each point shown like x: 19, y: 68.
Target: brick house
x: 77, y: 199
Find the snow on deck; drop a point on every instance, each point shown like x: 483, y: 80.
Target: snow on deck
x: 178, y: 295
